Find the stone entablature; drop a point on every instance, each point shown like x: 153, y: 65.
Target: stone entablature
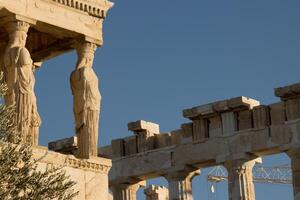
x: 90, y: 175
x: 234, y: 133
x: 215, y: 120
x: 96, y: 164
x: 92, y: 7
x: 218, y: 119
x: 57, y: 23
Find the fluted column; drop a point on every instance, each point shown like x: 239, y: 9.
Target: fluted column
x: 154, y: 192
x: 126, y: 191
x: 180, y: 184
x: 294, y: 154
x: 240, y: 179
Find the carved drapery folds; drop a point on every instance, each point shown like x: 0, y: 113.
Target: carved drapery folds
x: 19, y: 76
x: 86, y: 101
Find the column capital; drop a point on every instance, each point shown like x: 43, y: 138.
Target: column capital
x: 240, y: 180
x: 242, y: 164
x: 15, y: 26
x: 126, y: 191
x: 180, y: 183
x: 85, y: 48
x: 182, y: 174
x: 293, y: 152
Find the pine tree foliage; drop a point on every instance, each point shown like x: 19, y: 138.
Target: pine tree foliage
x: 19, y: 177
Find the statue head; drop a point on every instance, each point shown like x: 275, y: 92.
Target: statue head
x: 17, y: 33
x: 85, y: 53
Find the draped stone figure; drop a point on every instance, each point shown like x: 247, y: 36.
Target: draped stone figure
x: 87, y: 98
x: 19, y: 76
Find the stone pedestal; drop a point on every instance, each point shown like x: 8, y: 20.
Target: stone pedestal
x: 295, y: 161
x: 91, y: 175
x: 180, y: 184
x: 240, y: 180
x: 126, y: 191
x: 154, y: 192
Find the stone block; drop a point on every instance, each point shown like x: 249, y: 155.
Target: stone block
x: 94, y: 181
x: 118, y: 148
x: 90, y: 175
x: 176, y: 136
x: 229, y: 123
x: 292, y: 109
x: 241, y: 103
x: 140, y: 126
x: 66, y: 146
x: 187, y: 132
x: 105, y: 151
x: 145, y: 142
x: 212, y: 109
x: 245, y: 120
x: 221, y: 106
x: 288, y: 92
x: 200, y: 129
x: 259, y: 139
x: 187, y: 129
x: 281, y: 134
x: 163, y: 140
x: 198, y: 111
x: 277, y: 111
x: 130, y: 144
x: 215, y: 127
x: 261, y: 116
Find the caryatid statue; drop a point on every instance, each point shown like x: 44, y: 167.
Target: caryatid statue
x: 87, y: 99
x: 19, y: 76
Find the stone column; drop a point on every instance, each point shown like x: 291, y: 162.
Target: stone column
x: 19, y: 76
x: 180, y: 184
x: 294, y: 154
x: 86, y: 101
x: 126, y: 191
x: 154, y: 192
x: 240, y: 180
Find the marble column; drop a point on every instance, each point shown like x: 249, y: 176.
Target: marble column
x: 180, y: 184
x: 86, y: 101
x: 154, y: 192
x: 126, y: 191
x: 240, y: 179
x: 294, y: 154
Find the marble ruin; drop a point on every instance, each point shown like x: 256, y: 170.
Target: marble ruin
x: 33, y: 31
x: 234, y: 133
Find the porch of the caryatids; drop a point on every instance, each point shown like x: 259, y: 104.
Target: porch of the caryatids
x: 86, y: 101
x: 19, y: 77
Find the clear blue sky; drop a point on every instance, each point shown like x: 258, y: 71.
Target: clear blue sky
x: 160, y: 57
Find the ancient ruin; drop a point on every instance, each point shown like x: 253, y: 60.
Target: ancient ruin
x: 234, y: 133
x: 33, y: 31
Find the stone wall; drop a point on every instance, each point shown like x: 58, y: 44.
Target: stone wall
x: 91, y: 175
